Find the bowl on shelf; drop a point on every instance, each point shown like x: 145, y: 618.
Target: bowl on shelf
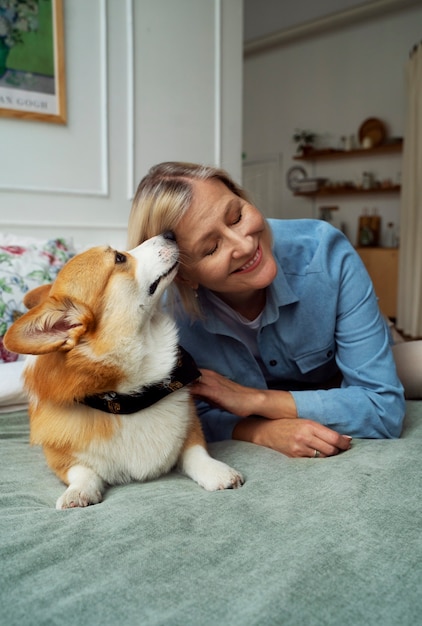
x: 372, y: 132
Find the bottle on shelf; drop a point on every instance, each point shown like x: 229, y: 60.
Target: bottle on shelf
x: 390, y: 236
x: 375, y: 226
x: 365, y: 233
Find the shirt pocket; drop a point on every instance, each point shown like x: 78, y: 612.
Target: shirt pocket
x: 319, y: 359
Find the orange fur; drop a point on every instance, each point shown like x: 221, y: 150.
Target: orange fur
x: 62, y: 434
x: 65, y: 377
x: 59, y: 378
x: 71, y: 428
x: 96, y: 330
x: 195, y: 436
x: 60, y: 460
x: 36, y: 295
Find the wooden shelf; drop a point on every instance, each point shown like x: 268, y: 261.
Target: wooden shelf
x: 319, y: 155
x: 348, y: 191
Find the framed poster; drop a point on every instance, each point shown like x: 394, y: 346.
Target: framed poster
x: 32, y: 71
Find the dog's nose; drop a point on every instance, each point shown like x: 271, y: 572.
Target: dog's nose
x: 169, y: 234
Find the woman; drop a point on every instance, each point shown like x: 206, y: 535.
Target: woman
x: 280, y: 316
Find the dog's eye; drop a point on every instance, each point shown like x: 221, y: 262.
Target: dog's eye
x: 119, y: 258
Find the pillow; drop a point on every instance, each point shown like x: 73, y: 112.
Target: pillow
x: 13, y: 396
x: 26, y: 263
x: 408, y: 357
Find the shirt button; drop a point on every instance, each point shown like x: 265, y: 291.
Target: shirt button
x: 329, y: 353
x: 273, y: 362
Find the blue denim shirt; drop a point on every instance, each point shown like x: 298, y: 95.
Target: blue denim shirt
x: 321, y: 319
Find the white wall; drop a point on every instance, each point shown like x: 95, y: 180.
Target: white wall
x: 263, y: 17
x: 147, y: 81
x: 330, y: 82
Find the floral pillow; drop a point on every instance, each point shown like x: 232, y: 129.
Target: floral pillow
x: 26, y: 263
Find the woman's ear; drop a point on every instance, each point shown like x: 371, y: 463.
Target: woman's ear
x: 186, y: 282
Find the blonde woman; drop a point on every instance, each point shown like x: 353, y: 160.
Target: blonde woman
x: 280, y: 316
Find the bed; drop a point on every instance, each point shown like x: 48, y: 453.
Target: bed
x: 304, y: 541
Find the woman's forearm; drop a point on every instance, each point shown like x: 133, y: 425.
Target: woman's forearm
x: 293, y: 437
x: 241, y: 400
x: 250, y: 429
x: 274, y: 404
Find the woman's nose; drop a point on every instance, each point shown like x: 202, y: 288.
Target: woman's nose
x: 242, y: 244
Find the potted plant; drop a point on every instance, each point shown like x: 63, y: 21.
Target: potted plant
x: 305, y: 140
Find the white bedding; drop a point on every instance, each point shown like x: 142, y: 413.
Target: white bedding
x: 12, y: 394
x: 25, y: 263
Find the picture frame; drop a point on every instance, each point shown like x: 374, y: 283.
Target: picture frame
x: 32, y: 65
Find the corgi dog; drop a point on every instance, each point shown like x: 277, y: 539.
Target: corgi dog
x: 108, y: 387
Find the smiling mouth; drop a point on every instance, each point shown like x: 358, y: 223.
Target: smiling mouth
x: 252, y: 263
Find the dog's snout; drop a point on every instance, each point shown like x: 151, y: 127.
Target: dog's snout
x: 169, y: 235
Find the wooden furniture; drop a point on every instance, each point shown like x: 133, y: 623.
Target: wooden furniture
x: 350, y: 190
x: 382, y: 265
x: 331, y: 153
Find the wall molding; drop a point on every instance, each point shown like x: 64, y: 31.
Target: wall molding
x: 329, y: 22
x: 218, y: 43
x: 130, y: 99
x: 62, y: 226
x: 130, y: 72
x: 103, y: 190
x: 105, y: 153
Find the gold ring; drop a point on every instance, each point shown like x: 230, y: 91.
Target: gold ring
x: 316, y: 454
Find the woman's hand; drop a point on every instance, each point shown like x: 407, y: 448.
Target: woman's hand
x: 243, y: 401
x: 292, y: 437
x: 277, y: 426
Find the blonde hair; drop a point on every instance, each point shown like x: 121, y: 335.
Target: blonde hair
x: 162, y: 198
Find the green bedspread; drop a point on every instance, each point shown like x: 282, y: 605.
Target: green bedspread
x: 333, y: 541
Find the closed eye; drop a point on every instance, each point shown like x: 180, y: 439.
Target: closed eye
x: 119, y: 258
x: 210, y: 252
x: 235, y: 221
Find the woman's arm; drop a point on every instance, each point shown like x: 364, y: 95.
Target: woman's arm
x: 336, y: 317
x: 269, y: 418
x: 243, y: 401
x: 292, y: 437
x: 370, y: 402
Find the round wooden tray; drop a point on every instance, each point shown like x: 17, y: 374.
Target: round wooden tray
x: 373, y: 129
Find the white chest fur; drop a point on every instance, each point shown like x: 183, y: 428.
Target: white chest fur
x: 144, y: 445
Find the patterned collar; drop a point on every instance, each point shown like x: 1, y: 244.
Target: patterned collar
x: 185, y: 372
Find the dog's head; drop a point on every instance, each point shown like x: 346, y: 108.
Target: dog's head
x: 100, y: 289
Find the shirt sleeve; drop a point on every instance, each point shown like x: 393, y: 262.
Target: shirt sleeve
x: 217, y: 425
x: 334, y: 304
x: 370, y: 402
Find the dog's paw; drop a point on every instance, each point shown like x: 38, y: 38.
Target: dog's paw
x: 218, y: 476
x: 73, y: 498
x: 85, y: 488
x: 209, y: 473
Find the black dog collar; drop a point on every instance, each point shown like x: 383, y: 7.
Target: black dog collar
x: 185, y: 372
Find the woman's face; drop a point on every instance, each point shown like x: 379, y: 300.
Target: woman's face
x: 225, y: 243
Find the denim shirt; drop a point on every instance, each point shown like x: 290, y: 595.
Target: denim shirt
x: 321, y: 320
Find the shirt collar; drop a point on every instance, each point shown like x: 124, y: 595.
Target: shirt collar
x: 279, y: 294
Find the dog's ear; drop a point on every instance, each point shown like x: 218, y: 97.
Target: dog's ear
x: 55, y: 324
x: 36, y: 295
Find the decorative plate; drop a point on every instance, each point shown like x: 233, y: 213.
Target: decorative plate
x: 295, y: 176
x: 374, y: 130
